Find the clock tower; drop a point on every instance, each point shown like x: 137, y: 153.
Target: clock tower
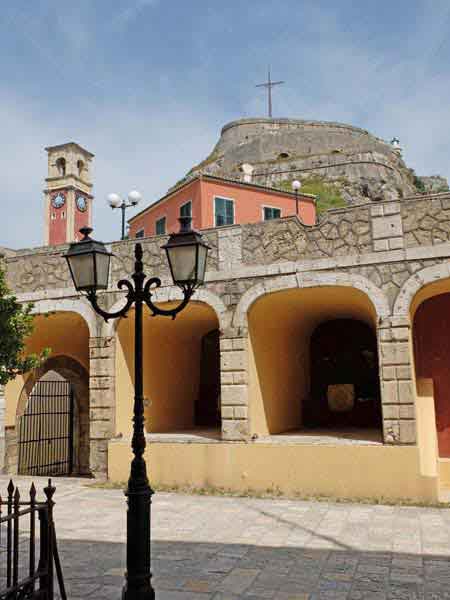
x: 68, y: 198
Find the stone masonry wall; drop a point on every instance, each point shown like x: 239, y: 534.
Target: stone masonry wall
x: 396, y: 380
x: 234, y: 379
x: 426, y: 221
x: 385, y: 245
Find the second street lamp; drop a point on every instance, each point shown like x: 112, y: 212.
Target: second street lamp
x: 89, y: 262
x: 296, y: 185
x: 115, y: 201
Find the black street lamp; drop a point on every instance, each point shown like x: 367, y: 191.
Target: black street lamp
x: 115, y: 201
x: 89, y: 263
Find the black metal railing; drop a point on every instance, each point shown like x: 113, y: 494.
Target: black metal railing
x: 27, y: 569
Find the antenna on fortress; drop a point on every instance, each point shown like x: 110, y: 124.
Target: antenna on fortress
x: 269, y: 85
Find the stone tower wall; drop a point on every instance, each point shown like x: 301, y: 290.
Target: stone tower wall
x: 361, y: 165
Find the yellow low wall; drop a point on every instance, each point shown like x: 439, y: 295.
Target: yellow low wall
x: 341, y: 471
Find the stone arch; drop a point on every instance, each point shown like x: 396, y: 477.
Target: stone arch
x: 415, y: 283
x: 309, y: 280
x: 173, y: 293
x: 78, y: 306
x: 283, y: 366
x: 72, y: 371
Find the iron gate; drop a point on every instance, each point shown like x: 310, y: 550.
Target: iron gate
x: 46, y: 430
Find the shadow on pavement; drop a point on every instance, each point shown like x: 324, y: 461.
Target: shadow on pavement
x: 201, y: 571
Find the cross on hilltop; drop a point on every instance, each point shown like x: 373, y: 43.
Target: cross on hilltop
x: 269, y: 85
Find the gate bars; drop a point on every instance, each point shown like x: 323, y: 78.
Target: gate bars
x: 46, y: 430
x: 36, y: 583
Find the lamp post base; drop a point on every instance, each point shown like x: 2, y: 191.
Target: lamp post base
x: 138, y: 577
x: 144, y: 594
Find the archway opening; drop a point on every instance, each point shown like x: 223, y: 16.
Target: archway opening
x: 53, y: 420
x: 431, y: 338
x: 345, y: 385
x: 304, y: 348
x: 181, y: 372
x: 67, y: 336
x: 46, y: 437
x: 61, y: 166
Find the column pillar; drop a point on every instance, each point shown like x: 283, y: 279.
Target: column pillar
x: 102, y: 403
x: 397, y: 385
x: 234, y: 379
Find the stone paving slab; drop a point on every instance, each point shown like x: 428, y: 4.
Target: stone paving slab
x: 216, y: 548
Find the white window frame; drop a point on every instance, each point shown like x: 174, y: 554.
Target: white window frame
x: 214, y: 210
x: 264, y: 206
x: 142, y: 230
x: 185, y: 204
x: 165, y: 224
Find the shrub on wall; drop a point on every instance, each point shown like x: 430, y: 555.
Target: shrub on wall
x: 328, y: 194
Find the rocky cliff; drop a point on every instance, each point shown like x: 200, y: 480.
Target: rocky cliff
x: 344, y: 163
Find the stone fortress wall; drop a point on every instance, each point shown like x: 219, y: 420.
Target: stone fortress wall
x: 363, y: 166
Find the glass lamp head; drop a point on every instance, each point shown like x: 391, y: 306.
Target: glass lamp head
x: 134, y: 197
x: 187, y: 254
x: 114, y: 200
x: 88, y: 262
x: 296, y: 185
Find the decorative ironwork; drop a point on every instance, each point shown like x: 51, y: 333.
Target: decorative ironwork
x: 139, y: 493
x: 21, y: 577
x: 46, y: 430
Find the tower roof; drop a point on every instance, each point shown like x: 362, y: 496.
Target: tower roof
x: 68, y: 145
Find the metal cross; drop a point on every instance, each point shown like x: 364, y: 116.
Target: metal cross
x: 269, y: 85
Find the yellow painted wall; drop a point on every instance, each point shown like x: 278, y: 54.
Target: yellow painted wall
x: 65, y: 333
x: 280, y: 328
x: 172, y: 350
x: 427, y: 442
x: 309, y: 470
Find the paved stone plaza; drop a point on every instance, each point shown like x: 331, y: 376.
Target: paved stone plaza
x: 238, y: 548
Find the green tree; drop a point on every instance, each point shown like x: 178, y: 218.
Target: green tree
x: 16, y: 324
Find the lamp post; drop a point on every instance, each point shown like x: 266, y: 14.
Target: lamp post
x: 115, y: 201
x: 296, y: 185
x: 89, y: 263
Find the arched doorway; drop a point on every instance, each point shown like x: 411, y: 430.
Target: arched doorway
x: 297, y: 336
x: 345, y: 389
x: 181, y: 372
x: 46, y: 428
x: 431, y: 334
x: 53, y: 420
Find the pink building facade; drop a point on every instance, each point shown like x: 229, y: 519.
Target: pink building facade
x: 215, y: 202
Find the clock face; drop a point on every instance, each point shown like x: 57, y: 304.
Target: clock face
x: 58, y: 201
x: 81, y: 203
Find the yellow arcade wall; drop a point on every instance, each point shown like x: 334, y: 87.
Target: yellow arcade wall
x: 65, y: 333
x: 280, y: 328
x: 172, y: 350
x: 340, y: 471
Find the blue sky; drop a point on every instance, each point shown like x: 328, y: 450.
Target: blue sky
x: 147, y: 85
